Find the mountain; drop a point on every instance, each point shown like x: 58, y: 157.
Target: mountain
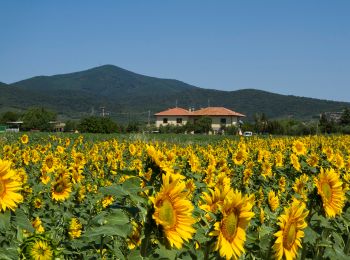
x: 128, y: 95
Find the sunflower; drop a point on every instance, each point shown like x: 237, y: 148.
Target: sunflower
x: 37, y: 224
x: 79, y: 159
x: 74, y: 228
x: 50, y: 163
x: 9, y: 187
x: 106, y: 201
x: 329, y: 153
x: 329, y: 187
x: 282, y: 184
x: 299, y: 148
x: 266, y: 169
x: 173, y: 211
x: 37, y: 203
x: 247, y: 173
x: 279, y: 159
x: 312, y: 160
x: 260, y: 197
x: 236, y: 215
x: 134, y: 239
x: 291, y: 224
x: 60, y: 149
x: 338, y: 161
x: 61, y: 189
x: 40, y: 250
x: 132, y: 149
x: 273, y: 201
x: 262, y: 216
x: 295, y: 162
x: 239, y: 157
x: 213, y: 200
x: 24, y: 139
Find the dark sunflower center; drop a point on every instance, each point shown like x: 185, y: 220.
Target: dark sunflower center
x: 239, y: 156
x: 2, y: 187
x: 59, y: 187
x: 41, y: 251
x: 167, y: 214
x: 299, y: 147
x: 229, y: 226
x: 290, y: 235
x: 326, y: 190
x: 49, y: 163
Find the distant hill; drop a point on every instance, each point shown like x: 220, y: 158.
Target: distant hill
x: 128, y: 95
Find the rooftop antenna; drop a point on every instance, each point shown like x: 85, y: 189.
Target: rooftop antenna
x: 208, y: 102
x: 176, y: 103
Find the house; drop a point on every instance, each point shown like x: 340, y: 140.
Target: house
x: 173, y: 116
x: 57, y: 126
x: 221, y: 117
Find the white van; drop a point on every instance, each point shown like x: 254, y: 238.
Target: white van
x: 247, y: 133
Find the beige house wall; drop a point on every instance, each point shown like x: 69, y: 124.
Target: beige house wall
x: 216, y: 121
x: 172, y: 120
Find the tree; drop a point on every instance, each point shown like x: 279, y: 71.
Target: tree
x: 326, y: 126
x: 70, y: 126
x: 9, y: 116
x: 38, y: 118
x: 345, y: 117
x: 133, y: 127
x: 94, y: 124
x: 261, y: 122
x: 203, y: 125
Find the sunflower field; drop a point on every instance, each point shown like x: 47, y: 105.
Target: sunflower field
x: 71, y: 197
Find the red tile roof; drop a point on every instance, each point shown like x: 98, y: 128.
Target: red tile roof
x: 177, y: 111
x: 216, y: 111
x: 208, y: 111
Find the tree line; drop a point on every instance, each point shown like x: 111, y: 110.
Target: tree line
x: 38, y: 118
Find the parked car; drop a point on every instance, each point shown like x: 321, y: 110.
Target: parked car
x: 247, y: 133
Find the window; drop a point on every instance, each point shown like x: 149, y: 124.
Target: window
x: 223, y: 121
x: 179, y: 120
x: 165, y: 120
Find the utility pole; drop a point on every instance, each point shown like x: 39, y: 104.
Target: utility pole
x: 103, y: 111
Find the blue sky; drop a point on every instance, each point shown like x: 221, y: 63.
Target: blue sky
x: 289, y: 47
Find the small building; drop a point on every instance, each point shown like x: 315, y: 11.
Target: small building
x: 221, y: 117
x: 57, y: 126
x: 172, y: 116
x: 14, y: 126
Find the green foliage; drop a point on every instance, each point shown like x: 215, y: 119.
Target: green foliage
x: 9, y: 116
x: 71, y: 126
x: 38, y: 118
x: 231, y: 130
x: 172, y: 129
x: 133, y: 127
x: 201, y: 125
x: 345, y: 117
x: 94, y: 124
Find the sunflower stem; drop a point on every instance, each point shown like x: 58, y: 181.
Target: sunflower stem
x: 101, y: 247
x: 347, y: 246
x: 207, y: 251
x: 304, y: 246
x: 145, y: 244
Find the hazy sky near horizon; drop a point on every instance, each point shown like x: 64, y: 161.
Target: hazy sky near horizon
x: 289, y: 47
